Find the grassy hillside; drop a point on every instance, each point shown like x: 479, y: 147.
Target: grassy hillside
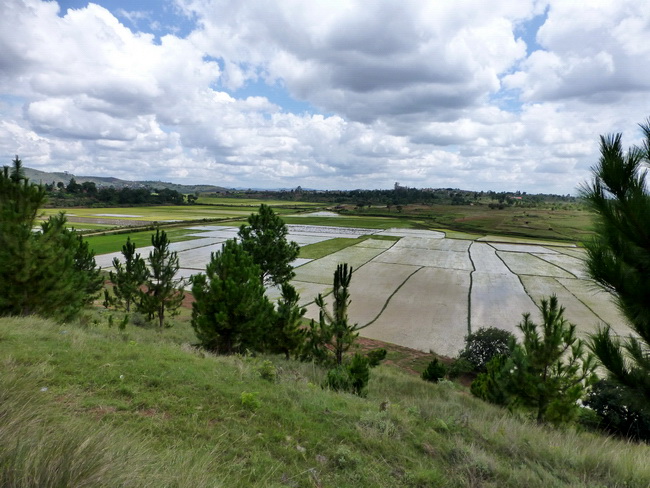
x: 89, y: 405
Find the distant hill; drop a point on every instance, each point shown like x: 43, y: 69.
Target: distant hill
x: 38, y: 176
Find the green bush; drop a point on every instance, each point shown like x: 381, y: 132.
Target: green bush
x: 250, y: 401
x: 376, y: 356
x: 338, y: 379
x: 352, y: 377
x: 482, y: 345
x: 617, y: 413
x: 268, y: 371
x: 434, y: 371
x: 490, y: 386
x: 460, y: 367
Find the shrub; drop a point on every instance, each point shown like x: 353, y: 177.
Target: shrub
x: 460, y: 367
x: 482, y: 345
x: 489, y: 386
x: 376, y: 356
x: 268, y: 371
x: 250, y: 401
x: 338, y: 379
x: 617, y: 413
x: 359, y: 369
x: 434, y: 371
x: 352, y: 377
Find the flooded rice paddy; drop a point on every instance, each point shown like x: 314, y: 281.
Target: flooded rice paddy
x: 426, y: 291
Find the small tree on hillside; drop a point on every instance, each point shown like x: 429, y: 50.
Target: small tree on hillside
x: 230, y: 312
x: 333, y: 330
x: 265, y: 239
x: 619, y: 260
x: 127, y: 278
x: 163, y: 293
x: 550, y: 369
x: 288, y: 336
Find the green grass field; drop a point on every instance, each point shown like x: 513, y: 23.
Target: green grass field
x: 252, y: 202
x: 352, y: 221
x: 159, y: 213
x: 542, y: 223
x: 103, y: 244
x: 86, y: 404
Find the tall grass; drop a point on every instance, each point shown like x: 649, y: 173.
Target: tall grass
x: 145, y: 408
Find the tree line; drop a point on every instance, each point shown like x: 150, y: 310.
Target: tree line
x: 88, y: 194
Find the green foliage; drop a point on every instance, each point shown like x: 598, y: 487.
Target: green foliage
x: 481, y: 346
x: 250, y: 401
x: 619, y: 257
x: 460, y: 367
x: 491, y: 385
x: 376, y: 356
x: 549, y: 370
x: 268, y: 371
x: 163, y: 292
x: 617, y: 413
x: 434, y: 371
x: 317, y: 338
x: 127, y: 278
x: 359, y: 368
x: 333, y: 329
x: 231, y: 312
x: 287, y: 335
x: 265, y: 239
x: 338, y: 379
x: 351, y: 377
x: 51, y: 272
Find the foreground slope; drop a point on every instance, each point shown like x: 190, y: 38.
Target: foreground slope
x: 90, y: 405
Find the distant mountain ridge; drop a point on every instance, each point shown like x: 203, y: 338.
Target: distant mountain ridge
x: 64, y: 177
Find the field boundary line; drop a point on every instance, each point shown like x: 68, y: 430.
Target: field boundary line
x: 576, y: 297
x: 469, y: 293
x: 354, y: 270
x: 389, y: 299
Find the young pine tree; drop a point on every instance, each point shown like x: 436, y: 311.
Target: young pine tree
x: 287, y: 334
x: 164, y: 293
x: 127, y: 278
x: 231, y: 312
x: 619, y: 260
x: 333, y: 328
x: 265, y: 239
x: 550, y: 369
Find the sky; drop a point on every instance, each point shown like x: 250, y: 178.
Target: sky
x: 503, y: 95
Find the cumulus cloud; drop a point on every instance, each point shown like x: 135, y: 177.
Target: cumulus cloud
x: 431, y: 94
x: 592, y: 51
x: 368, y: 60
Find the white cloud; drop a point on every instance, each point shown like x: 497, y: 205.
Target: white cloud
x: 592, y: 51
x: 425, y: 93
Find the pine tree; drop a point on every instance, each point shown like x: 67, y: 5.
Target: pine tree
x: 127, y: 278
x: 230, y: 312
x: 288, y: 335
x: 67, y: 266
x: 549, y: 369
x: 265, y: 239
x: 619, y: 259
x: 333, y: 326
x: 51, y: 272
x: 163, y: 293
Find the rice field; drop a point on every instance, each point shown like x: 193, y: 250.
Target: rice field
x: 421, y: 289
